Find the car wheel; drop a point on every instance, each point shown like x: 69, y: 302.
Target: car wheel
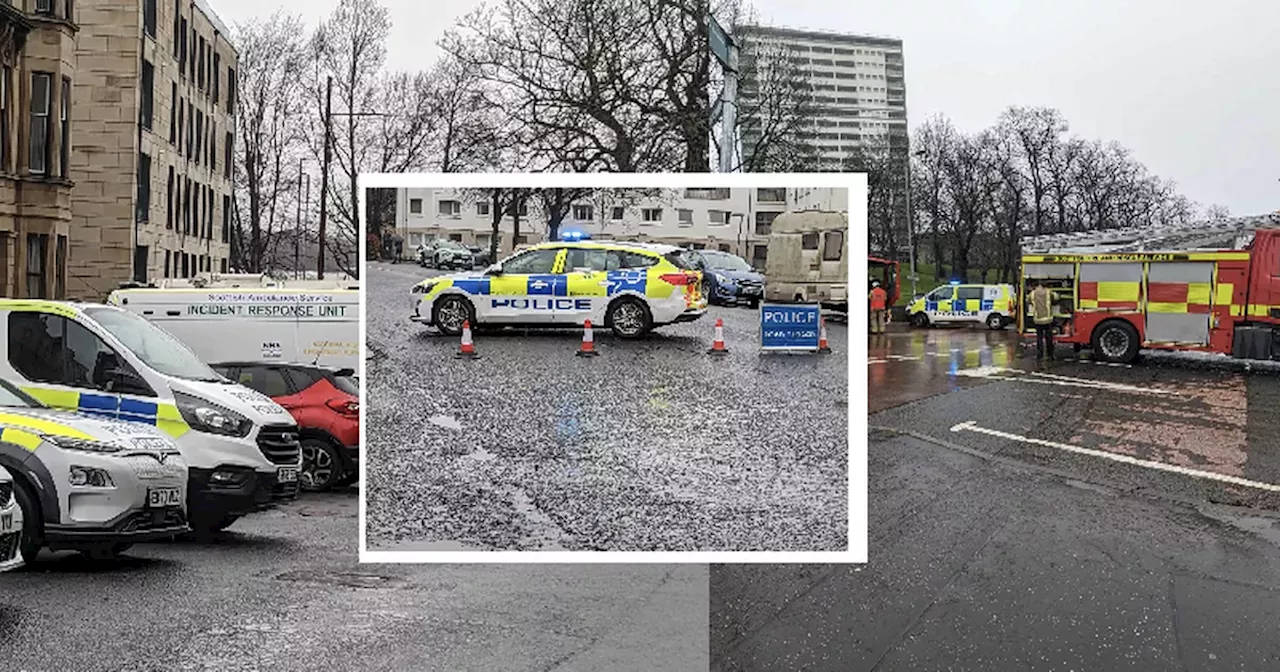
x: 1116, y: 341
x: 995, y: 322
x: 321, y: 466
x: 32, y: 523
x: 629, y: 318
x: 450, y: 312
x: 753, y: 304
x: 920, y: 320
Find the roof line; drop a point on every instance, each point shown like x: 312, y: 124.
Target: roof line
x: 822, y: 34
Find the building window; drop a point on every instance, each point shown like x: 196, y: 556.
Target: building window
x: 231, y: 91
x: 182, y: 49
x: 707, y: 194
x: 483, y: 209
x: 173, y: 112
x: 686, y: 217
x: 37, y: 248
x: 186, y: 265
x: 41, y: 83
x: 6, y: 85
x: 771, y: 195
x: 182, y: 109
x: 177, y: 28
x: 216, y: 75
x: 224, y: 266
x: 833, y: 246
x: 651, y: 215
x: 200, y: 64
x: 718, y: 217
x: 64, y: 119
x: 213, y: 146
x: 149, y: 17
x: 226, y: 220
x: 168, y: 208
x: 583, y: 213
x: 415, y: 206
x: 617, y: 214
x: 146, y: 109
x: 71, y: 11
x: 198, y: 144
x: 450, y: 208
x: 227, y: 148
x: 168, y: 261
x: 44, y: 7
x: 186, y: 206
x: 764, y: 222
x: 140, y: 258
x: 192, y: 52
x: 191, y: 131
x: 60, y: 268
x: 144, y: 187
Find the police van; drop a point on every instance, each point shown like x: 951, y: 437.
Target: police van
x: 92, y: 484
x: 10, y: 525
x: 241, y: 447
x: 629, y: 288
x: 255, y: 318
x: 956, y: 303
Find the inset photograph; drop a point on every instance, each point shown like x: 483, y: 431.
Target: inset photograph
x: 609, y: 368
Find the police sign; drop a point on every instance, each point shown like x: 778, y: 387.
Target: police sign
x: 789, y: 326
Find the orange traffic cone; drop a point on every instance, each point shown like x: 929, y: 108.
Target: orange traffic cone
x: 468, y: 349
x: 717, y: 347
x: 588, y: 348
x: 823, y: 348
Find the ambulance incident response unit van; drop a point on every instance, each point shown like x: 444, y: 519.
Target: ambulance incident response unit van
x: 312, y: 322
x: 241, y: 447
x: 93, y: 484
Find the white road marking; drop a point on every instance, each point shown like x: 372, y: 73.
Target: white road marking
x: 972, y: 426
x: 877, y: 361
x: 1002, y: 373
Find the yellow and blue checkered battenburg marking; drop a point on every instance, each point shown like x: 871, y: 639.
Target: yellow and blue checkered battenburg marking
x: 100, y: 405
x: 136, y: 410
x: 548, y: 285
x: 472, y: 285
x: 622, y: 281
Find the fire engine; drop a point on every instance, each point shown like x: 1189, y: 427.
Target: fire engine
x: 1212, y: 287
x: 886, y: 272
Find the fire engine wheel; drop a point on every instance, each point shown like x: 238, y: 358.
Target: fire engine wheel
x: 995, y: 321
x: 1115, y: 341
x: 920, y: 320
x: 450, y: 312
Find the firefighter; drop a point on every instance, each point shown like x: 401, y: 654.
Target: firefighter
x: 878, y: 300
x: 1042, y: 315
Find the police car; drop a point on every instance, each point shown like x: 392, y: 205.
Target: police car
x: 93, y: 484
x: 10, y: 525
x: 992, y: 305
x: 628, y: 287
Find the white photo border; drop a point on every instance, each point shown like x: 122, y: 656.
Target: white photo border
x: 856, y: 183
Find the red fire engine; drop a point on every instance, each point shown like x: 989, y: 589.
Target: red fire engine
x: 886, y: 272
x: 1213, y: 288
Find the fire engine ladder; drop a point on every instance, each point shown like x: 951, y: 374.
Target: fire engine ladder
x: 1226, y: 234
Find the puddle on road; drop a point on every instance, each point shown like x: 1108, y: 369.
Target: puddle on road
x: 445, y: 421
x: 428, y: 546
x: 479, y: 455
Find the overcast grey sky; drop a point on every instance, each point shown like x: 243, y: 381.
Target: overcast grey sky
x: 1193, y: 88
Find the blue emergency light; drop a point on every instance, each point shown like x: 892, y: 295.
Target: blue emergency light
x: 571, y: 235
x: 955, y: 282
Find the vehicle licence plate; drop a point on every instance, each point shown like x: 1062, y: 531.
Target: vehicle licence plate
x: 159, y: 498
x: 287, y: 475
x: 6, y: 523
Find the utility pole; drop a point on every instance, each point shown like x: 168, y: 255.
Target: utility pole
x: 726, y: 51
x: 324, y: 176
x: 297, y: 228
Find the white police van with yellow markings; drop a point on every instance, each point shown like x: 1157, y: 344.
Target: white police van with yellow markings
x: 10, y: 525
x: 992, y: 305
x: 241, y: 447
x: 629, y: 288
x: 94, y: 485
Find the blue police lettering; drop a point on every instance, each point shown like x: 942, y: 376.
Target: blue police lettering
x: 787, y: 317
x: 542, y: 304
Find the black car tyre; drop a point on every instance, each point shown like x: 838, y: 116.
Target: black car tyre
x: 628, y: 317
x: 920, y: 320
x: 450, y: 312
x: 321, y: 465
x: 995, y: 322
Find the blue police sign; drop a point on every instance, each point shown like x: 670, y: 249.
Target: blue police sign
x: 789, y: 326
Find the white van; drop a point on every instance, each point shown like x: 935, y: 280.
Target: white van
x: 241, y: 447
x: 305, y: 322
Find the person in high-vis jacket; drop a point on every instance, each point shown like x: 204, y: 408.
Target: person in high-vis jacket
x: 1042, y: 316
x: 879, y: 298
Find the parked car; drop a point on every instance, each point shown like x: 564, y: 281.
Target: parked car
x: 445, y: 254
x: 325, y: 402
x: 480, y: 255
x: 728, y: 278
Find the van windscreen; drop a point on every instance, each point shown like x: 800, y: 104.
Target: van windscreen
x: 154, y: 346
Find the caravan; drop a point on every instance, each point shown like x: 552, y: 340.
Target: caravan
x: 255, y: 318
x: 808, y: 259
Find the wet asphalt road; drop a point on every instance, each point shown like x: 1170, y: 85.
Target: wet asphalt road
x: 653, y: 445
x: 990, y: 552
x: 282, y: 591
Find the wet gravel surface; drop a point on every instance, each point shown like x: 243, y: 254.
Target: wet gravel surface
x: 282, y: 591
x: 653, y: 445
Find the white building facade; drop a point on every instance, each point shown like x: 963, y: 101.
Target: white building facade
x: 732, y: 220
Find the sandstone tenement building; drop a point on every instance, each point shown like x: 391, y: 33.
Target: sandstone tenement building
x: 37, y: 71
x: 154, y: 117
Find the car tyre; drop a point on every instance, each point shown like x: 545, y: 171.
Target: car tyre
x: 449, y: 306
x: 628, y: 317
x: 321, y: 465
x: 995, y: 322
x: 32, y: 522
x: 753, y: 304
x: 920, y: 320
x: 1115, y: 341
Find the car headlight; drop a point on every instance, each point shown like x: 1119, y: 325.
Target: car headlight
x: 84, y: 445
x: 90, y: 476
x: 724, y: 279
x: 208, y: 417
x: 445, y: 254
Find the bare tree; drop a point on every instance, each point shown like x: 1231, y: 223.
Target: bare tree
x: 468, y: 132
x: 935, y: 140
x: 1217, y: 212
x: 1036, y: 130
x: 776, y: 116
x: 271, y: 62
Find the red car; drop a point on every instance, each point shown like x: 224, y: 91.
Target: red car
x: 326, y: 404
